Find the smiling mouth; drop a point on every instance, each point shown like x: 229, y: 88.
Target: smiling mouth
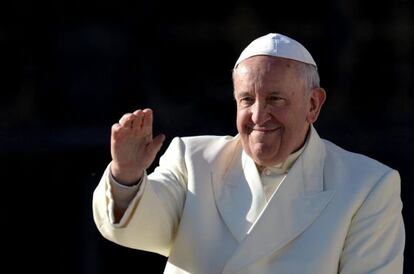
x: 263, y: 129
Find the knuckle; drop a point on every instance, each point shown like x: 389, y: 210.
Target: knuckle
x: 115, y: 127
x: 125, y: 117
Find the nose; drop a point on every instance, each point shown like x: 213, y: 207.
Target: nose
x: 260, y: 113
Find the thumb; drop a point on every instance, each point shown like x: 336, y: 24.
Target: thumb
x: 156, y: 144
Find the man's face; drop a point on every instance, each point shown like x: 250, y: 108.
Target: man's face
x: 273, y: 108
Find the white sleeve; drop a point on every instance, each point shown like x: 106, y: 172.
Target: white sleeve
x: 123, y: 194
x: 376, y: 238
x: 152, y: 216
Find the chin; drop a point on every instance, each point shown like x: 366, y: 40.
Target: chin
x: 266, y: 163
x: 264, y: 159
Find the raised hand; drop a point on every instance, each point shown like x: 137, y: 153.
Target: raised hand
x: 132, y: 147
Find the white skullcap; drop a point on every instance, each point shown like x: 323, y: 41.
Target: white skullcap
x: 275, y: 44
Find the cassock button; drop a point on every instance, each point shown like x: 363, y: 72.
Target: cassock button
x: 267, y: 171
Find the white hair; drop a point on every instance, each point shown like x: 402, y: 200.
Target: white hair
x: 308, y: 73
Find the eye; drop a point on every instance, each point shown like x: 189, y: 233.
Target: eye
x: 246, y: 100
x: 276, y: 100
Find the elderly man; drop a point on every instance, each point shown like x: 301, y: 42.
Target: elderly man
x: 276, y: 198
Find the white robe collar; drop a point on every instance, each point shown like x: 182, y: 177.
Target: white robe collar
x: 299, y: 200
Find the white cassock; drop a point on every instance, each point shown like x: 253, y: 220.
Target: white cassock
x: 205, y: 208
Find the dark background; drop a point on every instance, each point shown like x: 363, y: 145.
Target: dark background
x: 70, y: 69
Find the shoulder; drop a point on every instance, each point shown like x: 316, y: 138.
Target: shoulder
x: 354, y: 169
x: 202, y: 142
x: 207, y: 140
x: 208, y: 147
x: 355, y: 177
x: 352, y: 159
x: 209, y: 144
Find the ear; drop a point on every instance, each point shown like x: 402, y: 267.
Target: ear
x: 316, y: 100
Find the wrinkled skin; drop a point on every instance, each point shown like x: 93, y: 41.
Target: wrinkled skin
x: 274, y: 108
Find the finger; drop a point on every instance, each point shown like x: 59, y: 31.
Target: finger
x: 115, y: 126
x: 132, y: 120
x: 126, y: 120
x: 139, y: 114
x: 147, y: 121
x: 115, y: 129
x: 137, y: 111
x: 137, y: 123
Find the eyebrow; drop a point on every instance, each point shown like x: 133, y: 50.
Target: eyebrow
x: 246, y: 93
x: 275, y: 93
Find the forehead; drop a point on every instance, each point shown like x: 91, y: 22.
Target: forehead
x: 266, y: 71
